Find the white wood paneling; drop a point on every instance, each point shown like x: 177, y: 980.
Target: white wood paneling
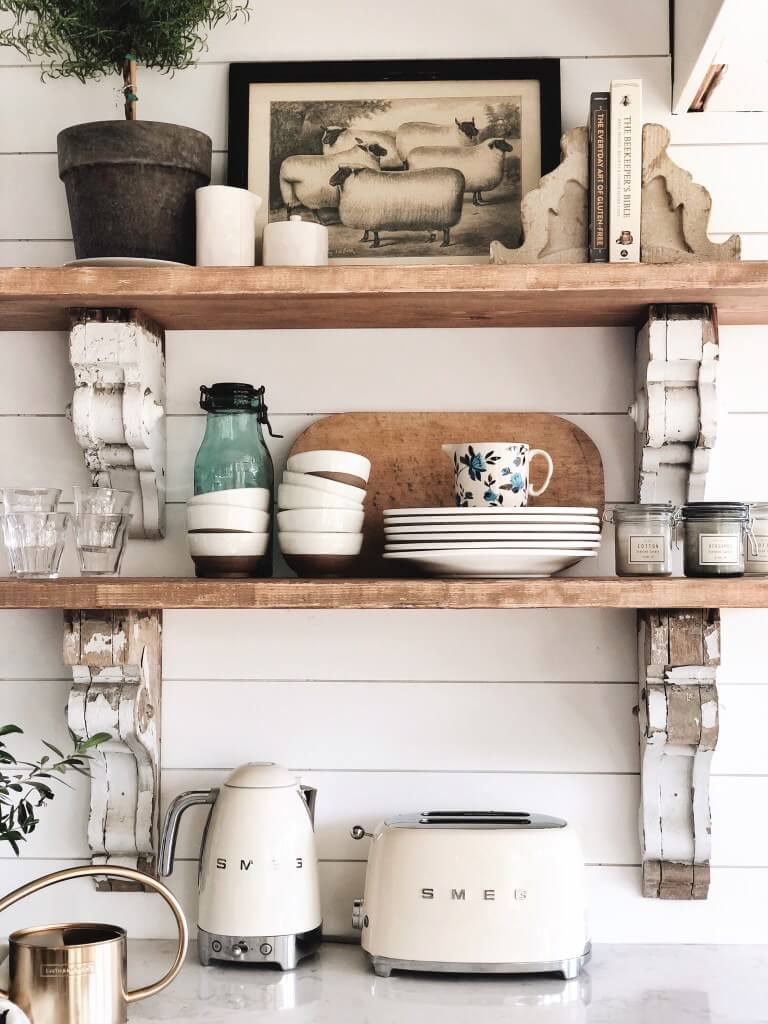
x: 735, y: 472
x: 720, y: 168
x: 582, y: 645
x: 428, y: 726
x: 744, y: 646
x: 743, y: 369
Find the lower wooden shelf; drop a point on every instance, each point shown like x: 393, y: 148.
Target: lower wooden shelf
x: 562, y: 592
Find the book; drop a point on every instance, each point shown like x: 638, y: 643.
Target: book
x: 625, y: 170
x: 599, y: 115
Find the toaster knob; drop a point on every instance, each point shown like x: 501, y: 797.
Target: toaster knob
x: 239, y: 949
x: 357, y: 915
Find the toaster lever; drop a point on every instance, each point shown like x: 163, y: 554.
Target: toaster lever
x: 358, y: 832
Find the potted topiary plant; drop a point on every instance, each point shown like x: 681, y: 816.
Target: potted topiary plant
x: 130, y: 184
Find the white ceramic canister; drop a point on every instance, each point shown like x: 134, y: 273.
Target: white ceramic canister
x: 295, y: 243
x: 226, y: 226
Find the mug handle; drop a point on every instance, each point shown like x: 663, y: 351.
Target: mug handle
x: 545, y: 455
x: 129, y: 874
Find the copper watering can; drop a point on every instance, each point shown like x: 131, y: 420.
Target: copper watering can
x: 76, y: 973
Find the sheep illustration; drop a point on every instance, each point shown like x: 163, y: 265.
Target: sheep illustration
x: 423, y: 133
x: 400, y: 200
x: 337, y: 139
x: 304, y: 177
x: 481, y: 165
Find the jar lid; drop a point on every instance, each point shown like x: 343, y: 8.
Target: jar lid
x: 629, y: 511
x: 231, y: 397
x: 715, y: 510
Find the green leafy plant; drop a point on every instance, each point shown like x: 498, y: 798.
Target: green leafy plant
x: 88, y: 39
x: 26, y: 786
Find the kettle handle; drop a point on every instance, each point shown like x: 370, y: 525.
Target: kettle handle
x: 129, y: 874
x: 171, y: 825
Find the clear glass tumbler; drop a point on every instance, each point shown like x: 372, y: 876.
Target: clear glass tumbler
x: 35, y: 542
x: 100, y: 541
x: 31, y: 499
x: 102, y: 500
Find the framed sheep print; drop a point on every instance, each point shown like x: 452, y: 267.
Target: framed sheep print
x: 403, y: 161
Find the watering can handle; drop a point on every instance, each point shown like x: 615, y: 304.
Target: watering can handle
x: 129, y: 874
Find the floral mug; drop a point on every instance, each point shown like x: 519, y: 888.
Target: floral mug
x: 495, y: 473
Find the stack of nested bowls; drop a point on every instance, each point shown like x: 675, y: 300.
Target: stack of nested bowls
x: 320, y: 522
x: 229, y: 532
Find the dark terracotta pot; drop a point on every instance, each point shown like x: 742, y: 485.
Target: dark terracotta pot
x: 131, y: 187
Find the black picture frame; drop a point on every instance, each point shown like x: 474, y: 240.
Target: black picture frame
x: 412, y: 243
x: 545, y: 70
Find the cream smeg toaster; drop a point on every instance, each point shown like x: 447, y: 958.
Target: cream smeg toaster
x: 478, y: 892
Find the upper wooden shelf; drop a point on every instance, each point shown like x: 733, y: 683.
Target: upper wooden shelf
x: 201, y: 298
x: 561, y: 592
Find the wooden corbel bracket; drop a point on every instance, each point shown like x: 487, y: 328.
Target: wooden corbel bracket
x: 117, y: 674
x: 678, y: 711
x: 118, y: 408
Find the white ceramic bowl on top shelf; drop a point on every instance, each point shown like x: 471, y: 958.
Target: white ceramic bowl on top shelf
x: 346, y: 467
x: 320, y: 483
x: 226, y: 519
x: 236, y: 497
x: 291, y: 496
x: 320, y: 520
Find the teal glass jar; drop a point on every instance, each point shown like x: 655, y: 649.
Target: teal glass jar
x: 233, y: 453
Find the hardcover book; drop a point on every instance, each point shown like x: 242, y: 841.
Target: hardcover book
x: 599, y: 114
x: 625, y: 174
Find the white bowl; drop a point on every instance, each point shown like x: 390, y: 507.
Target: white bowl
x: 291, y: 496
x: 320, y: 520
x: 320, y: 543
x: 227, y: 545
x: 319, y: 483
x: 347, y: 463
x: 226, y: 519
x: 238, y: 497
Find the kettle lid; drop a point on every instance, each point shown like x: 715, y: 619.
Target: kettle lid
x: 261, y: 775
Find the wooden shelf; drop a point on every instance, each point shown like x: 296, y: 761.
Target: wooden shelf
x: 200, y: 298
x: 562, y: 592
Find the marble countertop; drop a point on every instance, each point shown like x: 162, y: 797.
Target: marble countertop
x: 621, y: 985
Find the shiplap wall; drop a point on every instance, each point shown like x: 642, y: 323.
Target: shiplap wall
x: 392, y: 711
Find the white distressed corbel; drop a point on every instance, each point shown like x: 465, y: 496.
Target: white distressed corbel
x: 117, y: 674
x: 678, y: 712
x: 118, y: 408
x: 675, y: 408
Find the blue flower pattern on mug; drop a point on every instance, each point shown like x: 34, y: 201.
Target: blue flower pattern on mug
x: 476, y: 463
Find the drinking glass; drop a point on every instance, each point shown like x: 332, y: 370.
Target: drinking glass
x: 100, y: 540
x: 102, y: 500
x: 31, y: 499
x: 35, y: 542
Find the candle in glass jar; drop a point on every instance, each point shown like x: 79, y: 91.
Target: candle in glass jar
x: 643, y: 537
x: 714, y: 536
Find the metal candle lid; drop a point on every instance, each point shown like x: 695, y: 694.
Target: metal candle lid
x: 711, y: 510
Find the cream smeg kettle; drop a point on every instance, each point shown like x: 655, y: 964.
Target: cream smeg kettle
x: 259, y: 892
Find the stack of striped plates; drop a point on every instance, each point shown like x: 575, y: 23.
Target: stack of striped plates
x: 486, y: 542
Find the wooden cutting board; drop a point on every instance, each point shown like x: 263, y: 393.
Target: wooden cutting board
x: 411, y: 470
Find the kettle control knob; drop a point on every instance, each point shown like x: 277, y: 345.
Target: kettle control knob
x: 357, y: 915
x: 239, y: 949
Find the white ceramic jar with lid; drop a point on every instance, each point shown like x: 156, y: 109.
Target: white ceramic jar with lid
x: 295, y: 243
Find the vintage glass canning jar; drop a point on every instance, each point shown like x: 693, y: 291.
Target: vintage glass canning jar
x: 756, y: 546
x: 233, y: 452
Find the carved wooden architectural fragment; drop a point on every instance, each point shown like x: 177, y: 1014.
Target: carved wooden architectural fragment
x: 675, y: 210
x: 116, y: 665
x: 118, y: 357
x: 679, y: 655
x: 675, y: 409
x: 554, y: 215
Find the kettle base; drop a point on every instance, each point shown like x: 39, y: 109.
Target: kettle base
x: 569, y: 968
x: 283, y: 950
